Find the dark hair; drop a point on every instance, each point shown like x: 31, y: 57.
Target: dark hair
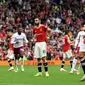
x: 19, y: 25
x: 38, y: 17
x: 66, y: 32
x: 9, y: 30
x: 83, y: 24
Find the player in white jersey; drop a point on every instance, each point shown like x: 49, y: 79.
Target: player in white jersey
x: 80, y: 41
x: 18, y: 41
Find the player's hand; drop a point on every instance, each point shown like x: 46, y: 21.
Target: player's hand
x: 26, y: 45
x: 16, y: 42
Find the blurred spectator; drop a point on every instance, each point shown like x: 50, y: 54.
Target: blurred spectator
x: 59, y: 15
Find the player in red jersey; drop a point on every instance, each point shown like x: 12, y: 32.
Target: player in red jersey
x: 67, y: 53
x: 39, y: 32
x: 10, y: 54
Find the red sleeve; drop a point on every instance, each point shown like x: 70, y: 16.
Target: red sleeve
x: 11, y: 47
x: 67, y: 39
x: 33, y: 30
x: 45, y: 27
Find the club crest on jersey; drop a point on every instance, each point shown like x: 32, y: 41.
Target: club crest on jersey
x: 40, y: 30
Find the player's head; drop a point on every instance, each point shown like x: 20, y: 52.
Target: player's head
x: 37, y: 21
x: 20, y: 29
x: 66, y: 32
x: 9, y: 32
x: 82, y: 26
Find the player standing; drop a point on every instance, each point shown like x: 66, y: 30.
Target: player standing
x: 10, y: 54
x: 18, y: 41
x: 67, y: 52
x: 39, y: 31
x: 80, y: 41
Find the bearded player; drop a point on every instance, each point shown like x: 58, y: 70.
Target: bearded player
x: 39, y: 32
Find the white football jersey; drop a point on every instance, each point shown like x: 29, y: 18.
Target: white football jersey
x: 18, y: 40
x: 80, y: 40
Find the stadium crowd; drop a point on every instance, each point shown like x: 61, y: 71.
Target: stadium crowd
x: 59, y: 15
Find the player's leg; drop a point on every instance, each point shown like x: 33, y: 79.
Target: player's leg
x: 63, y: 62
x: 16, y: 57
x: 82, y: 61
x: 16, y: 63
x: 37, y: 56
x: 83, y: 67
x: 72, y: 61
x: 39, y: 66
x: 22, y: 63
x: 73, y: 66
x: 21, y: 54
x: 9, y: 57
x: 10, y: 64
x: 43, y: 54
x: 45, y: 64
x: 78, y: 71
x: 70, y: 56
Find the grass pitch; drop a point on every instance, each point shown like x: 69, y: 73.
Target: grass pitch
x: 27, y: 78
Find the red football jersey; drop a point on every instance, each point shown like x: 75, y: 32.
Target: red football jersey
x: 11, y: 46
x: 66, y: 44
x: 40, y: 33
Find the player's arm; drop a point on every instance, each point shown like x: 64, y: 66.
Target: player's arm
x: 69, y: 41
x: 77, y: 40
x: 13, y: 40
x: 33, y: 35
x: 25, y: 39
x: 49, y: 32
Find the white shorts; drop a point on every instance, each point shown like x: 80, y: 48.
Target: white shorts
x: 10, y: 54
x: 40, y: 50
x: 82, y: 49
x: 67, y: 54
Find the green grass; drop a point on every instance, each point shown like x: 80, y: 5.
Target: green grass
x: 27, y: 78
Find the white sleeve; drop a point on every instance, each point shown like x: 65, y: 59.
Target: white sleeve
x: 25, y: 39
x: 13, y: 40
x: 77, y: 40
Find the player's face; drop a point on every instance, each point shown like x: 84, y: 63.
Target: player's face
x: 9, y: 34
x: 37, y: 21
x: 83, y: 28
x: 19, y: 30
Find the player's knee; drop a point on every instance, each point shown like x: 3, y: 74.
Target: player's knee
x: 63, y: 62
x: 21, y: 56
x: 45, y: 64
x: 9, y: 60
x: 39, y: 63
x: 44, y: 59
x: 39, y: 59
